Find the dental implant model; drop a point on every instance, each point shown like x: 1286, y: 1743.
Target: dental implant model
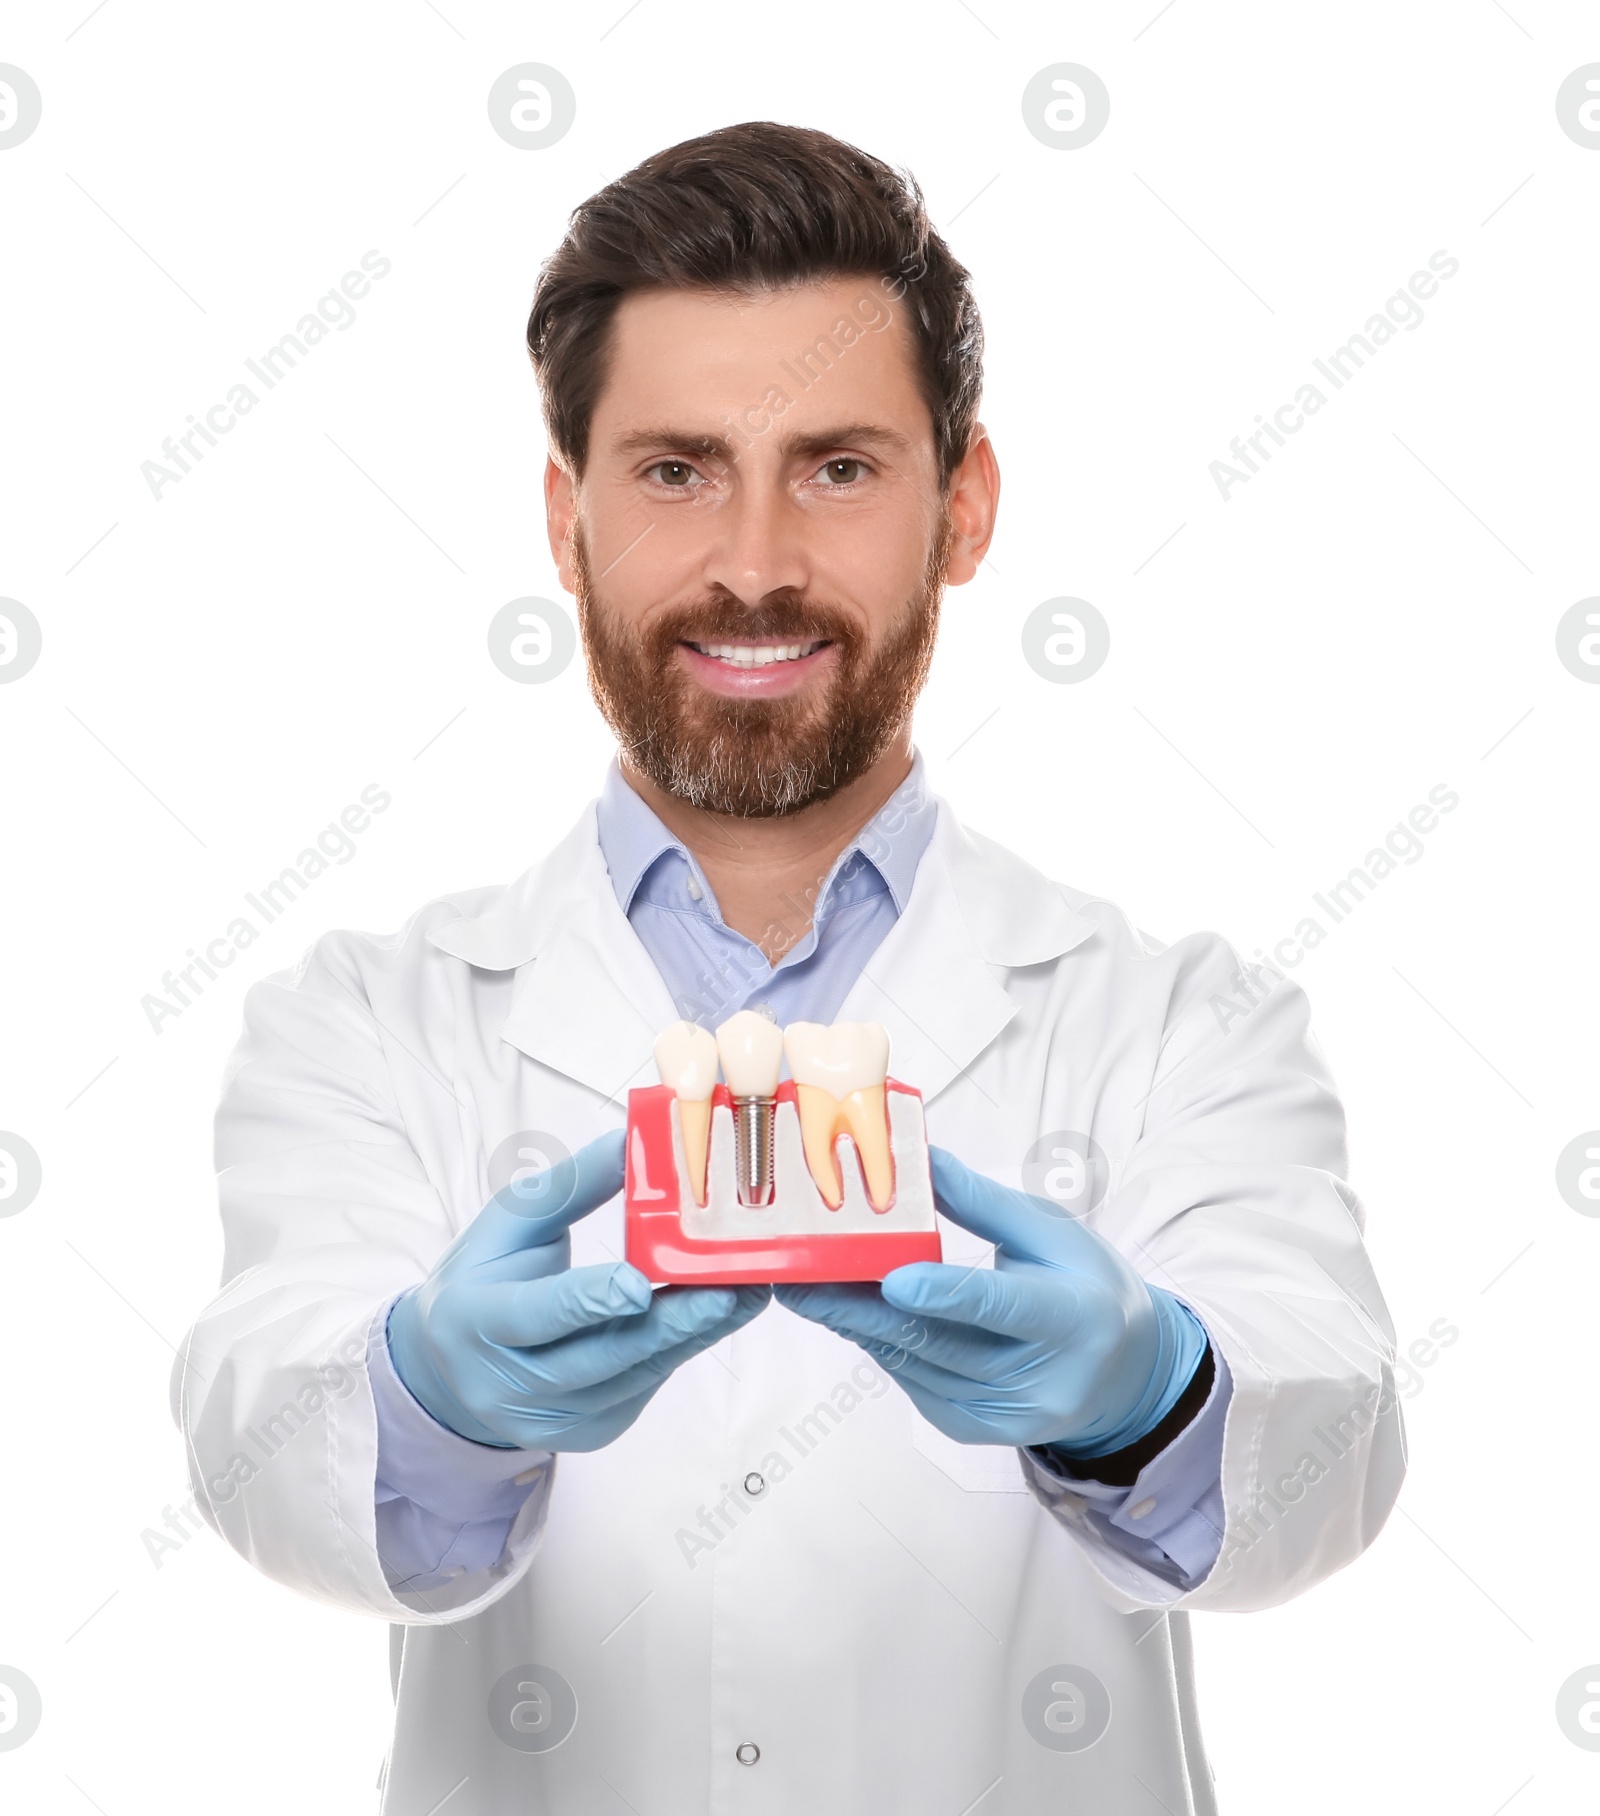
x: 823, y: 1176
x: 751, y: 1049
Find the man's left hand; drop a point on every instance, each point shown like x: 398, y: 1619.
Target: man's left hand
x: 1060, y: 1343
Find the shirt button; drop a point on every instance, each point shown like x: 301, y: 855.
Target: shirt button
x: 1146, y: 1506
x: 747, y: 1752
x: 525, y: 1478
x: 696, y: 893
x: 753, y: 1483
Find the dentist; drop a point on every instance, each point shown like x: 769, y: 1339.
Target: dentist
x: 897, y: 1549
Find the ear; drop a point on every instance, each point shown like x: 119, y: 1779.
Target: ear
x: 974, y: 503
x: 560, y: 514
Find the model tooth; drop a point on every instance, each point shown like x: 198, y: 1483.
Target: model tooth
x: 751, y: 1046
x: 752, y: 1054
x: 686, y: 1058
x: 839, y: 1089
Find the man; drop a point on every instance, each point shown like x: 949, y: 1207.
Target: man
x: 921, y: 1546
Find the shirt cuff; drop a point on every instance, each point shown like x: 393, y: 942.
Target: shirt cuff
x: 444, y: 1503
x: 1171, y: 1520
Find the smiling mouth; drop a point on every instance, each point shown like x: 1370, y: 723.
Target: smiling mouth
x: 758, y: 655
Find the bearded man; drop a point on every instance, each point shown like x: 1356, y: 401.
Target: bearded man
x: 922, y: 1544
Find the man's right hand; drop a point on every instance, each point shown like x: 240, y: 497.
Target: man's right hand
x: 506, y: 1343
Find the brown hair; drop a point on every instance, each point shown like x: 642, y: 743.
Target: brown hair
x: 750, y: 207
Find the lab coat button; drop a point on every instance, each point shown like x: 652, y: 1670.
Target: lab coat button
x: 1146, y: 1507
x: 747, y: 1752
x: 753, y: 1483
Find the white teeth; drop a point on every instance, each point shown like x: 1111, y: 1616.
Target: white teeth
x: 758, y: 655
x: 686, y: 1058
x: 846, y: 1057
x: 839, y: 1074
x: 752, y: 1054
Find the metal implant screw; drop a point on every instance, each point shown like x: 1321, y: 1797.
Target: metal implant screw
x: 753, y: 1120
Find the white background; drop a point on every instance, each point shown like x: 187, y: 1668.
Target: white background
x: 305, y: 613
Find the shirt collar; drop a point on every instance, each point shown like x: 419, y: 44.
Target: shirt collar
x: 896, y: 836
x: 632, y: 838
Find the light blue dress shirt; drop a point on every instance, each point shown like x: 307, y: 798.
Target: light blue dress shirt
x: 445, y: 1505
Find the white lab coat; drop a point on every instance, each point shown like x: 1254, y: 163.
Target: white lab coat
x: 872, y: 1622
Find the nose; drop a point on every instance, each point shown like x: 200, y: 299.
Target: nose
x: 758, y: 543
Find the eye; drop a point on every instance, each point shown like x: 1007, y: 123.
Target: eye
x: 843, y: 471
x: 676, y: 474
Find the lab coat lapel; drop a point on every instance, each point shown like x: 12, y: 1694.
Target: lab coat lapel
x: 587, y: 1000
x: 935, y: 983
x: 591, y: 1003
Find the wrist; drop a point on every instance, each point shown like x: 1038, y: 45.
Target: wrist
x: 1181, y: 1346
x: 1122, y: 1468
x: 411, y: 1357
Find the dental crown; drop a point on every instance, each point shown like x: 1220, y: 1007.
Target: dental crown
x: 751, y: 1048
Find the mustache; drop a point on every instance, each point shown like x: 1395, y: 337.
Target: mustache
x: 726, y: 621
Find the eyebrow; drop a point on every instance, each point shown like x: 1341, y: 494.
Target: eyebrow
x: 857, y: 434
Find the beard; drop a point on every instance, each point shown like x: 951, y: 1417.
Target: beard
x: 756, y: 759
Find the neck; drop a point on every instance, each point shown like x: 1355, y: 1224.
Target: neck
x: 766, y: 874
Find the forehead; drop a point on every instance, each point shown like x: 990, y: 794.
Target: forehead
x: 840, y: 349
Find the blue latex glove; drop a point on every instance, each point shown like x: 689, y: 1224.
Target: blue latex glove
x: 506, y: 1343
x: 1061, y: 1343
